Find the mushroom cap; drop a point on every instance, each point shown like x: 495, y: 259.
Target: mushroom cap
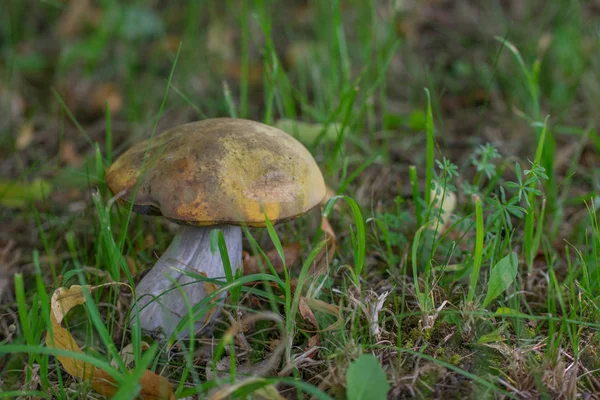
x: 219, y: 171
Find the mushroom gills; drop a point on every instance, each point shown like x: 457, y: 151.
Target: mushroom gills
x: 160, y: 301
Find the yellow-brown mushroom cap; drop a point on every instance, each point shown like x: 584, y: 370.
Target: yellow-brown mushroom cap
x: 219, y: 171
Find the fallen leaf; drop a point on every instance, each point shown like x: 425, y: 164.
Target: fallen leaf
x: 325, y: 257
x: 312, y: 346
x: 251, y: 264
x: 154, y: 387
x: 14, y: 194
x: 25, y: 136
x: 63, y: 300
x: 326, y: 308
x: 307, y: 313
x: 313, y: 341
x: 307, y: 132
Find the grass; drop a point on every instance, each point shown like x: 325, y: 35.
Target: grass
x: 496, y: 297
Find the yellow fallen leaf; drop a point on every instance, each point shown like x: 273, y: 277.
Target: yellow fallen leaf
x: 15, y: 194
x: 154, y: 387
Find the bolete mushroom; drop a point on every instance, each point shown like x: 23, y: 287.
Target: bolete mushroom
x: 218, y: 173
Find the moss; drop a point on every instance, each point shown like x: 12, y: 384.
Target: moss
x: 428, y: 379
x: 440, y: 353
x: 412, y: 337
x: 488, y: 361
x: 455, y: 359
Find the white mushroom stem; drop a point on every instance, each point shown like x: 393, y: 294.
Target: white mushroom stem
x: 160, y: 300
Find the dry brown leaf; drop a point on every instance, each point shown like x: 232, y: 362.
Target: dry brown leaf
x: 325, y: 257
x: 291, y: 252
x: 313, y: 341
x: 312, y: 346
x: 307, y: 313
x: 321, y: 306
x: 154, y: 387
x: 25, y: 136
x: 63, y: 300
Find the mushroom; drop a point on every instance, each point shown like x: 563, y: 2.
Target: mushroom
x: 218, y: 173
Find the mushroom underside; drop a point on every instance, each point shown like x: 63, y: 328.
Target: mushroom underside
x: 161, y: 303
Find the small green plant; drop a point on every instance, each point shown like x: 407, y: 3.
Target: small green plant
x: 526, y: 188
x: 365, y: 379
x: 502, y: 276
